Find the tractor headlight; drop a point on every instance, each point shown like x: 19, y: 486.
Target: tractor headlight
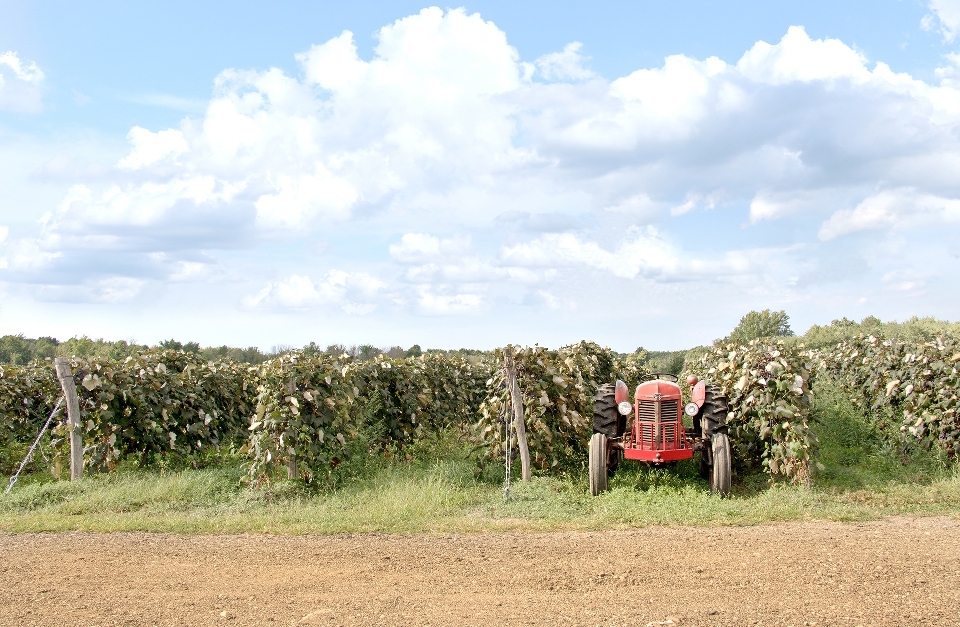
x: 625, y: 408
x: 691, y: 409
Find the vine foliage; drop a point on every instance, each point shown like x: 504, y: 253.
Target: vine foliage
x: 767, y: 383
x: 909, y: 388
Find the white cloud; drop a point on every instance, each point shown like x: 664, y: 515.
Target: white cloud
x: 549, y: 180
x: 447, y: 304
x: 28, y: 72
x: 773, y: 205
x: 20, y: 84
x: 149, y: 148
x: 299, y: 198
x: 639, y: 204
x: 944, y: 16
x: 353, y: 292
x: 566, y: 65
x: 643, y: 253
x: 695, y: 201
x: 82, y: 210
x: 905, y: 208
x: 28, y: 255
x: 333, y: 65
x: 949, y: 75
x: 429, y: 128
x: 415, y: 246
x: 421, y: 247
x: 662, y: 103
x: 799, y: 58
x: 189, y: 271
x: 110, y: 291
x: 419, y: 112
x: 117, y: 289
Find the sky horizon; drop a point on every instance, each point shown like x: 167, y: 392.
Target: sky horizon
x: 475, y: 175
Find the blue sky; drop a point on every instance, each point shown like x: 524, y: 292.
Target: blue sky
x: 634, y: 173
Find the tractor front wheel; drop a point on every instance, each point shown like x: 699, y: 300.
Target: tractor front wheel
x: 598, y: 464
x: 721, y: 470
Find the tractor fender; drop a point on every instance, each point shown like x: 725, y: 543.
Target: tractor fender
x: 621, y: 393
x: 699, y: 393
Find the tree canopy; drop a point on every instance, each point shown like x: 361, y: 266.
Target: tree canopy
x: 757, y: 324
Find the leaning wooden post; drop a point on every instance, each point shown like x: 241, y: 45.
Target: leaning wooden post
x: 65, y: 376
x: 518, y: 422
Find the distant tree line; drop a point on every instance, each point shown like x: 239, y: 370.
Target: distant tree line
x: 767, y: 323
x: 19, y: 350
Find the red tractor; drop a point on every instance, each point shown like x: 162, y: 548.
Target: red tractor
x: 655, y: 434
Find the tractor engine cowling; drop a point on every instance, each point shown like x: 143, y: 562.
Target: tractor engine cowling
x: 657, y: 434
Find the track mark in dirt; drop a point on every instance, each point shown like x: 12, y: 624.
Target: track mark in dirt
x: 898, y: 571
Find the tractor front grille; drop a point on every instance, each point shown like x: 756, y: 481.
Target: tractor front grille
x: 648, y: 436
x: 671, y: 435
x: 669, y: 410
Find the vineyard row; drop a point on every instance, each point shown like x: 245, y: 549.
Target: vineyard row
x: 305, y: 412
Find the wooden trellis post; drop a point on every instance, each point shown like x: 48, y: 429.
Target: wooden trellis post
x: 291, y: 457
x: 517, y: 401
x: 65, y: 376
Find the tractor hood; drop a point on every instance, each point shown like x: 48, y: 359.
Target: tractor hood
x: 657, y: 389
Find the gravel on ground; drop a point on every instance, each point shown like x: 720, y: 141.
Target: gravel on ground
x: 896, y: 571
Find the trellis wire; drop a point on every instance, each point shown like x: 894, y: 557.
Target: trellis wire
x: 26, y: 460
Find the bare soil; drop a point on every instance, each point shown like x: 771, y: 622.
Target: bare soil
x: 897, y: 571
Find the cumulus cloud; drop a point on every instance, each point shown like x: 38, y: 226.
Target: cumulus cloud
x: 360, y: 293
x: 773, y: 205
x: 107, y: 290
x: 353, y: 292
x: 83, y: 210
x: 20, y: 84
x: 566, y: 65
x: 149, y: 148
x: 351, y: 132
x: 117, y: 289
x: 437, y: 112
x: 27, y: 255
x: 420, y: 247
x: 695, y: 200
x: 944, y: 17
x: 798, y: 58
x: 904, y: 207
x: 446, y: 304
x: 539, y: 167
x: 645, y: 253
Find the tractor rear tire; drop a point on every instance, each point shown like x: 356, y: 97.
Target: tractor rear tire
x: 721, y: 470
x: 598, y: 464
x: 606, y: 418
x: 713, y: 414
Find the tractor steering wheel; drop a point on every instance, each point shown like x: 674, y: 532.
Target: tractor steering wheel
x: 660, y: 375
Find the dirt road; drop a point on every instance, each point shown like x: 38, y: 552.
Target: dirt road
x: 900, y: 571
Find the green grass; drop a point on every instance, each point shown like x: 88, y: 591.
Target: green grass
x: 853, y: 456
x: 435, y: 488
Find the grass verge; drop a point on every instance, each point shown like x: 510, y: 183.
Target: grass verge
x: 436, y: 490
